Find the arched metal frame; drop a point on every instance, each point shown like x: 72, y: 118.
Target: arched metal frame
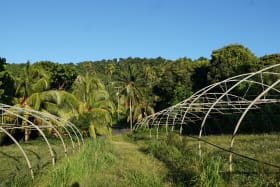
x: 21, y: 149
x: 219, y: 98
x: 48, y: 121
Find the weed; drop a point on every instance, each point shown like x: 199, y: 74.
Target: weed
x: 209, y: 173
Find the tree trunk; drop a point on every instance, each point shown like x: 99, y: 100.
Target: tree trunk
x: 25, y: 125
x: 130, y: 113
x: 92, y: 130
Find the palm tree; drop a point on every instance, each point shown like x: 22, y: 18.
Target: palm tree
x: 132, y: 100
x: 110, y: 69
x: 130, y: 80
x: 31, y: 81
x: 33, y: 93
x: 94, y: 100
x: 142, y: 110
x: 56, y: 102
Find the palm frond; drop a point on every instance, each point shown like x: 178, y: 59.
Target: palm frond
x: 99, y: 95
x: 34, y: 101
x: 105, y: 104
x: 40, y: 85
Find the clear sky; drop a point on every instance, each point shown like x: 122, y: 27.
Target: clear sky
x: 78, y: 30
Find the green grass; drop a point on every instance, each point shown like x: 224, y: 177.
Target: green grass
x: 100, y: 163
x: 105, y: 163
x: 180, y: 154
x: 135, y: 159
x: 14, y: 169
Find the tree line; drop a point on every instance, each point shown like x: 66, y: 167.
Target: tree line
x: 97, y: 94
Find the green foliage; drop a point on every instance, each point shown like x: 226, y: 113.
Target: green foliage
x: 31, y: 80
x: 82, y: 121
x: 142, y: 110
x: 267, y: 60
x: 7, y: 89
x: 92, y: 93
x: 210, y: 173
x: 199, y: 76
x: 131, y: 82
x: 175, y: 82
x: 96, y: 106
x: 97, y: 119
x: 158, y: 81
x: 230, y: 60
x: 60, y: 103
x: 180, y: 93
x: 61, y: 76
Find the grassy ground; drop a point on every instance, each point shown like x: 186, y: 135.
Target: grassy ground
x: 181, y: 156
x: 14, y: 168
x: 105, y: 163
x: 100, y: 163
x: 138, y: 160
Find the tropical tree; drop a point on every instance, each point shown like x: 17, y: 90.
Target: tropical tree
x: 150, y: 78
x: 7, y: 88
x: 30, y: 81
x: 230, y: 60
x: 95, y: 103
x: 199, y: 76
x: 142, y: 110
x: 33, y: 93
x: 132, y: 100
x: 61, y: 76
x: 56, y: 102
x: 110, y: 69
x: 174, y: 83
x: 131, y: 81
x: 267, y: 60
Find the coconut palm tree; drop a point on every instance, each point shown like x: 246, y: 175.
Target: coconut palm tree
x: 95, y: 101
x: 33, y: 93
x: 131, y: 81
x: 30, y: 81
x: 142, y: 110
x: 56, y: 102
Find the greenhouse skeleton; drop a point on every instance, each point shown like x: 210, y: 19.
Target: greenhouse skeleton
x: 219, y: 98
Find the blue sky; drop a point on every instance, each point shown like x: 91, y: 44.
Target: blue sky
x: 78, y: 30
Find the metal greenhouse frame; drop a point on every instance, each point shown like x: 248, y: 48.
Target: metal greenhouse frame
x: 10, y: 116
x: 220, y: 98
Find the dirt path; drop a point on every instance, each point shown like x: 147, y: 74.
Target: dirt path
x: 117, y: 131
x: 138, y: 162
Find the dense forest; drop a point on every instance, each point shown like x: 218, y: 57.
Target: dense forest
x: 98, y: 94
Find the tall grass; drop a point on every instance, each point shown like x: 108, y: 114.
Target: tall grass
x: 209, y: 173
x: 180, y: 154
x: 176, y: 159
x: 170, y: 161
x: 80, y: 168
x: 13, y: 166
x: 103, y: 163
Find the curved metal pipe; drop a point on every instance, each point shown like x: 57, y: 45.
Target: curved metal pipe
x: 21, y: 149
x: 230, y: 89
x: 242, y: 117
